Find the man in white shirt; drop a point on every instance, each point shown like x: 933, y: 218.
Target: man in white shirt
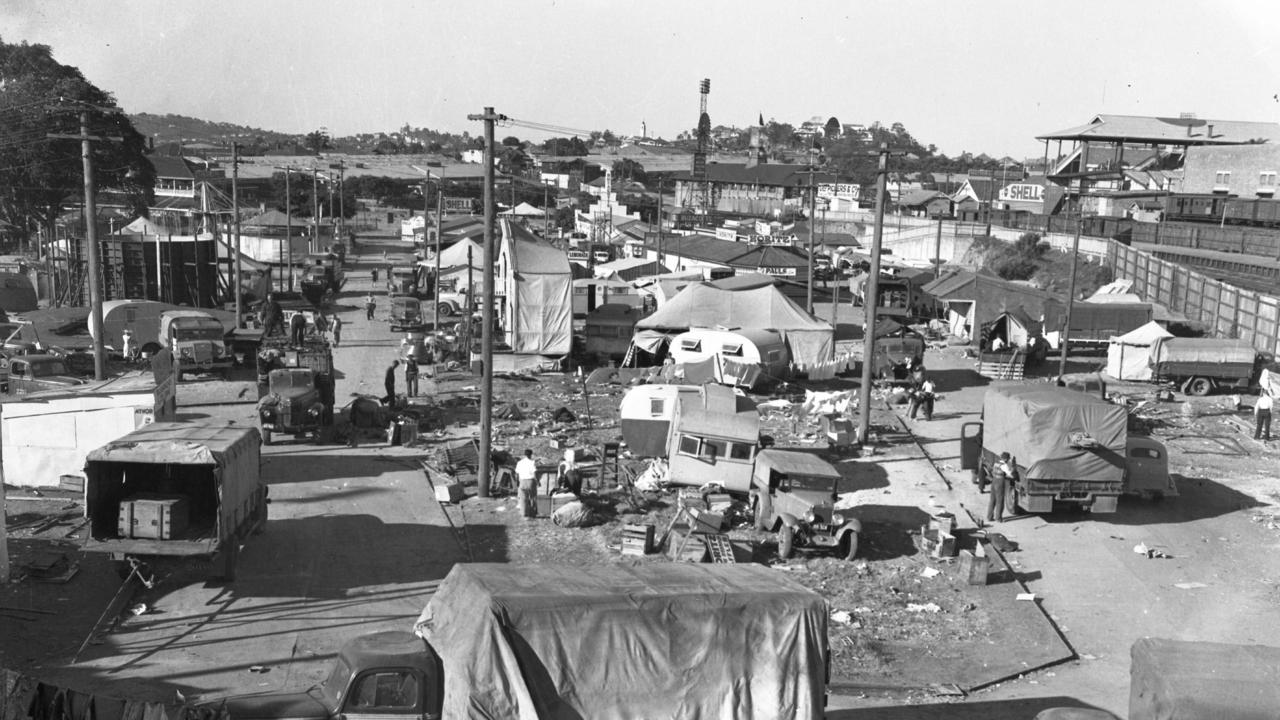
x: 1262, y: 416
x: 527, y: 476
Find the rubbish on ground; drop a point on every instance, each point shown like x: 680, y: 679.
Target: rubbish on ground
x: 1025, y: 596
x: 842, y: 616
x: 1190, y: 585
x: 926, y: 607
x: 930, y: 572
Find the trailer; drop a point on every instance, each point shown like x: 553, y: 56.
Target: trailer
x: 172, y: 492
x: 1198, y: 366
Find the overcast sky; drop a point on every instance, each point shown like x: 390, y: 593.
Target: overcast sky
x: 964, y: 75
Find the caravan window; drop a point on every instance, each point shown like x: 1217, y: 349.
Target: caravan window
x: 740, y: 451
x: 689, y: 445
x: 691, y: 345
x: 734, y: 349
x: 656, y: 407
x: 715, y: 448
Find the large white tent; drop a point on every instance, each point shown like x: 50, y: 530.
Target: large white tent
x: 1129, y: 355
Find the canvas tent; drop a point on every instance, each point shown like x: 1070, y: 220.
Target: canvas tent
x: 1129, y: 355
x: 536, y: 286
x: 745, y: 302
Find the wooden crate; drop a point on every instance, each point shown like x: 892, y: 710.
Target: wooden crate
x: 975, y: 565
x: 154, y: 517
x: 637, y: 539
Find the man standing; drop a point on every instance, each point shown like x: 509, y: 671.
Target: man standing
x: 335, y: 325
x: 527, y: 476
x: 411, y: 377
x: 369, y: 305
x: 297, y: 328
x: 389, y: 383
x: 1262, y: 416
x: 1002, y: 474
x: 271, y: 316
x: 927, y: 397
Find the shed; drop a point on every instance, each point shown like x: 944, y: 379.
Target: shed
x: 609, y: 329
x: 974, y: 300
x: 741, y: 357
x: 1129, y: 355
x: 48, y: 435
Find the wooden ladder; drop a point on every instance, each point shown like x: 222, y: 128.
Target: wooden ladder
x: 720, y: 548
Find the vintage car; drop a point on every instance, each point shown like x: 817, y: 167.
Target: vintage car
x: 793, y: 494
x: 406, y: 314
x: 34, y: 373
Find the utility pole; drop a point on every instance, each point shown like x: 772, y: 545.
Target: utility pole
x: 288, y: 228
x: 439, y: 231
x: 235, y: 218
x: 871, y: 301
x: 1071, y: 299
x: 486, y: 346
x: 91, y: 240
x: 315, y: 210
x: 342, y: 206
x: 660, y: 258
x: 937, y: 251
x: 813, y: 203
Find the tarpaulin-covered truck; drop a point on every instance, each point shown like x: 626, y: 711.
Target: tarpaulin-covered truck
x: 1067, y: 446
x: 173, y: 491
x: 541, y: 641
x: 1199, y: 366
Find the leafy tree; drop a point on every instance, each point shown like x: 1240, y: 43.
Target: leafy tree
x: 317, y: 140
x: 565, y: 146
x: 511, y: 141
x: 780, y: 135
x: 832, y: 129
x: 628, y: 169
x: 39, y: 97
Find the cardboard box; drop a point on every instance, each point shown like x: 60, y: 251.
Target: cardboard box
x: 975, y: 565
x: 154, y: 517
x: 449, y: 492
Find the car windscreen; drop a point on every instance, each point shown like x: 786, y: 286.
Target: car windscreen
x: 198, y: 333
x: 806, y: 482
x: 48, y: 368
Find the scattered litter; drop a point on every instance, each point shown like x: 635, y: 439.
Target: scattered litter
x: 139, y: 609
x: 1025, y: 596
x: 926, y: 607
x: 1087, y: 656
x: 946, y: 689
x: 259, y: 669
x: 930, y: 572
x: 1190, y: 585
x: 1142, y: 549
x: 842, y: 616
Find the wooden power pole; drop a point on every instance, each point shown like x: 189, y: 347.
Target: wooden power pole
x: 490, y: 118
x: 871, y: 301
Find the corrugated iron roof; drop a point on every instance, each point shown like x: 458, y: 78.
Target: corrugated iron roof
x: 1174, y: 131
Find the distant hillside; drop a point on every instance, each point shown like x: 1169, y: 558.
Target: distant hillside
x: 179, y: 128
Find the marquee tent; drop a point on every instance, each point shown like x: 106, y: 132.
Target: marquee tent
x: 1129, y: 355
x: 745, y: 302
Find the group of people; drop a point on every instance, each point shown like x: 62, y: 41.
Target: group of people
x: 568, y: 479
x: 271, y: 316
x: 411, y: 373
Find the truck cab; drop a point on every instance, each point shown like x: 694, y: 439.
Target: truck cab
x: 197, y: 341
x: 402, y: 280
x: 392, y: 674
x: 794, y: 494
x: 35, y: 373
x: 294, y: 404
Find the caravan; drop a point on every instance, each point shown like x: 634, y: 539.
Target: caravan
x: 745, y: 357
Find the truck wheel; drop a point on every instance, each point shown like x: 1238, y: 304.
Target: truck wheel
x: 446, y: 309
x: 756, y: 520
x: 1199, y: 387
x: 229, y: 556
x: 266, y: 437
x: 786, y: 538
x: 849, y: 546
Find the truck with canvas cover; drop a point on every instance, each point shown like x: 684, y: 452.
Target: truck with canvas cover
x: 1095, y: 323
x: 545, y: 641
x: 197, y: 341
x: 295, y: 388
x: 175, y: 492
x: 324, y: 276
x: 1198, y: 366
x: 1066, y: 446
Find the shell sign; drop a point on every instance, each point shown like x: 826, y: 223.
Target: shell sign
x: 1023, y: 192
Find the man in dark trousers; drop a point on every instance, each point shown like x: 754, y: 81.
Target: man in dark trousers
x: 1002, y: 474
x: 411, y: 377
x: 297, y: 328
x: 389, y: 383
x: 272, y: 316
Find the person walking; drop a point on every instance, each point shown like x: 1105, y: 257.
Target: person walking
x: 1262, y: 416
x: 927, y: 396
x: 389, y: 383
x: 1002, y: 473
x: 369, y: 305
x: 527, y: 477
x: 335, y: 326
x: 411, y: 377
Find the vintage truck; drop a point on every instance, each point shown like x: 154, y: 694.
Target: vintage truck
x: 1068, y: 446
x: 402, y: 280
x: 197, y: 341
x: 794, y: 494
x: 731, y: 642
x: 296, y: 388
x: 323, y: 277
x: 1198, y: 366
x: 173, y: 492
x: 406, y: 314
